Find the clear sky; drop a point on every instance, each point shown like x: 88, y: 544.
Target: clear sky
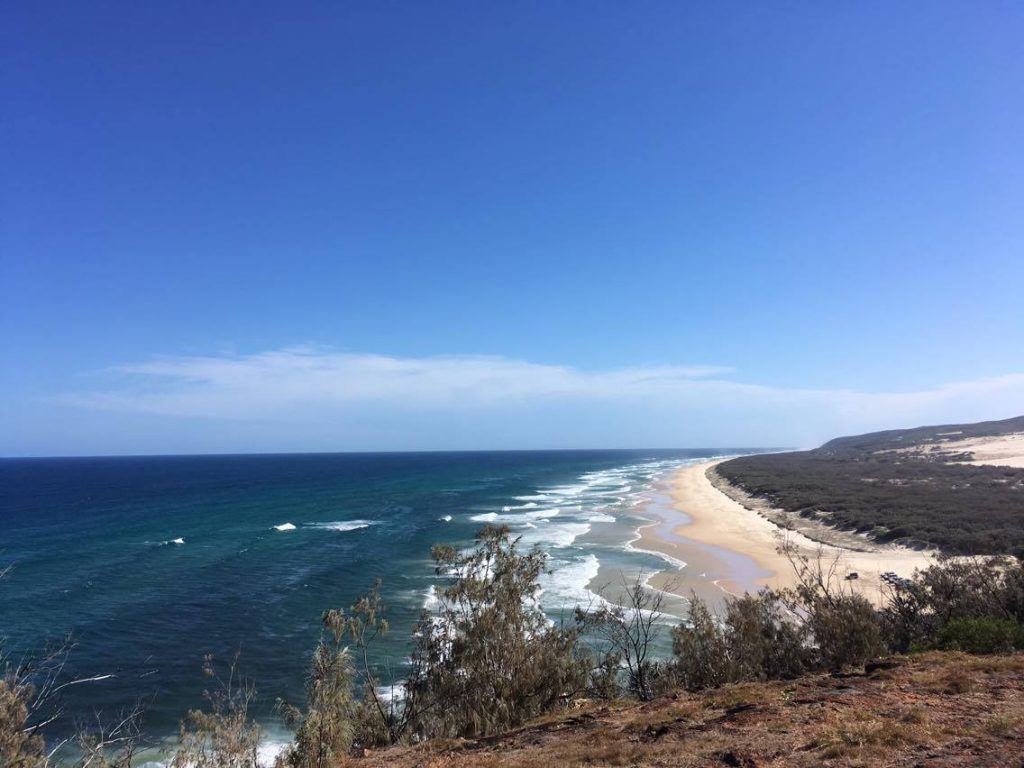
x: 342, y: 226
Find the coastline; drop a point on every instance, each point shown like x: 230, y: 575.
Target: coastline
x: 734, y: 548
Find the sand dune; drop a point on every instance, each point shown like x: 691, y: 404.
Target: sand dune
x: 1001, y: 451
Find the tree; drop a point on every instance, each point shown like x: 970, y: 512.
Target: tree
x: 223, y: 736
x: 488, y: 660
x: 324, y: 730
x: 844, y: 625
x: 757, y: 639
x: 701, y: 650
x: 629, y: 633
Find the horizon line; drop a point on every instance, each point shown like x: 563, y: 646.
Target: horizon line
x: 731, y: 451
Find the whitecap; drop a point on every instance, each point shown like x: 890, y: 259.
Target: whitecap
x: 527, y: 505
x: 341, y: 526
x: 516, y: 518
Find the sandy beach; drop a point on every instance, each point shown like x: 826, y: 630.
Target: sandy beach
x: 731, y: 548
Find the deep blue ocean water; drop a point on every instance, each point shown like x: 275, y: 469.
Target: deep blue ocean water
x: 152, y: 562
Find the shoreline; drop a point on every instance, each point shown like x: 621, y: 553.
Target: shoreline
x: 734, y: 549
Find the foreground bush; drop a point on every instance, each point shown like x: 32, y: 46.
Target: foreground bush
x: 981, y: 636
x: 19, y: 745
x: 844, y: 628
x: 222, y: 735
x: 952, y: 589
x: 755, y: 640
x: 487, y: 660
x: 324, y: 730
x: 622, y: 638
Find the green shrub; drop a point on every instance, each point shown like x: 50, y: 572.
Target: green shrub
x: 488, y: 660
x: 985, y: 635
x: 324, y: 730
x: 756, y: 640
x: 764, y: 642
x: 952, y: 590
x: 701, y: 650
x: 878, y: 483
x: 846, y: 630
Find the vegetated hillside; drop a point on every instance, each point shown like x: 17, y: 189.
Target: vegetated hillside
x: 899, y: 485
x: 936, y: 709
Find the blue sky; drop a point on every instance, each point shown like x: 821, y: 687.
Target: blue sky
x: 343, y: 226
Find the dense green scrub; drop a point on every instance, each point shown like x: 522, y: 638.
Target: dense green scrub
x: 870, y: 483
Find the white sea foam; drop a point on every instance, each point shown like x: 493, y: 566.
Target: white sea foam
x: 630, y: 546
x: 565, y: 586
x: 430, y: 598
x: 600, y: 517
x: 556, y: 534
x: 675, y: 561
x: 527, y: 505
x: 516, y: 518
x: 543, y: 514
x: 267, y: 751
x: 570, y: 490
x: 285, y: 527
x: 342, y: 526
x: 390, y: 695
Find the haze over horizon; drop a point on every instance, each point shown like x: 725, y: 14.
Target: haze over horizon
x: 342, y: 227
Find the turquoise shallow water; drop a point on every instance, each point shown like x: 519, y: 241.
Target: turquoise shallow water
x: 153, y: 562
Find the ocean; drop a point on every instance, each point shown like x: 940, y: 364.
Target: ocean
x: 152, y: 562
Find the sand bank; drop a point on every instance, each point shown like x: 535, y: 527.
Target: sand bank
x: 727, y: 546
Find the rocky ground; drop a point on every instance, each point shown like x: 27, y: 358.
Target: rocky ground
x: 936, y: 709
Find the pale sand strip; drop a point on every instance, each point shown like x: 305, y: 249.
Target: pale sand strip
x: 995, y: 450
x: 726, y: 529
x: 1001, y: 451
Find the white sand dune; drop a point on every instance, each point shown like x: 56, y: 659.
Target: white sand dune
x: 1001, y: 451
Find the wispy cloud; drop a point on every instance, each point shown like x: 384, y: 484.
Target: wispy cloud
x: 303, y: 377
x: 304, y: 384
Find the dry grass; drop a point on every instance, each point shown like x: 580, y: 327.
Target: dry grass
x: 914, y: 714
x: 864, y: 733
x: 653, y: 720
x: 956, y: 677
x: 1001, y: 725
x: 740, y: 695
